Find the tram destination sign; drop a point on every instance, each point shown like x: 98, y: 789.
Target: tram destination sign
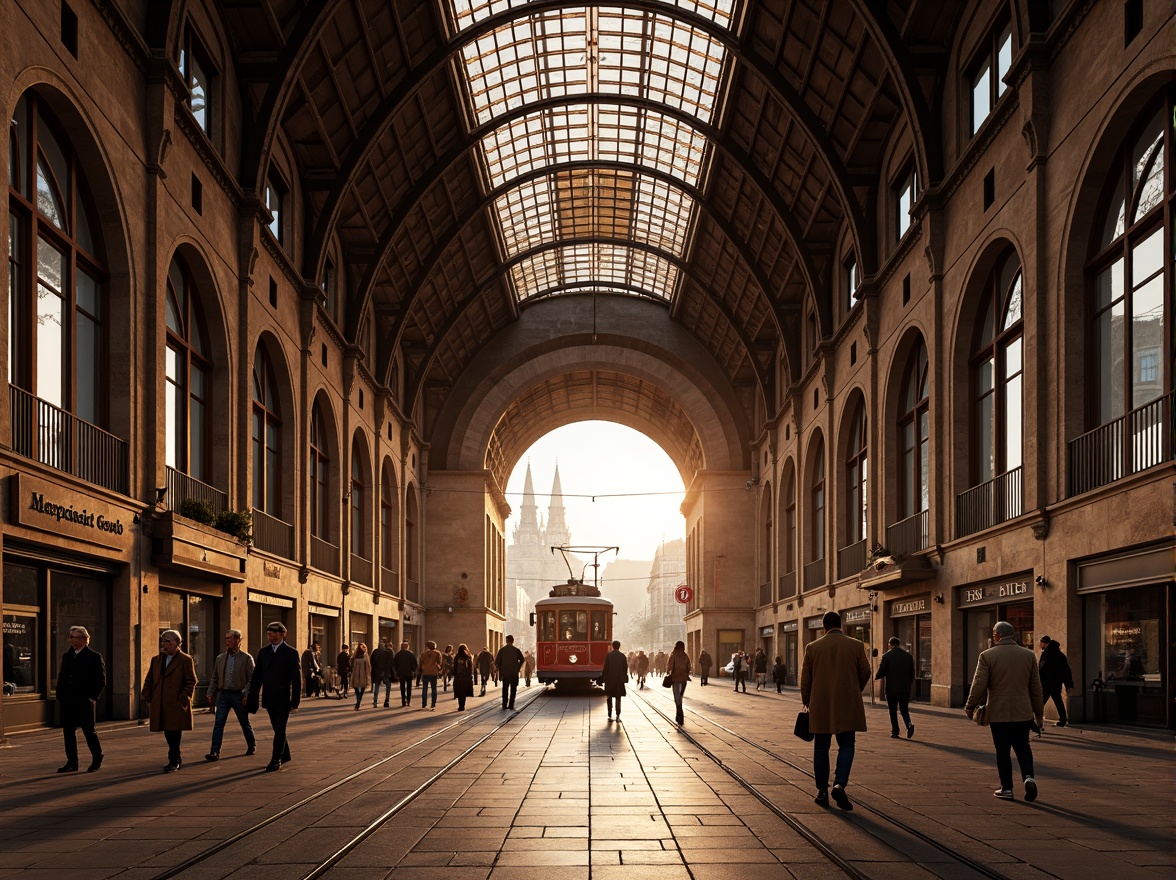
x: 47, y: 507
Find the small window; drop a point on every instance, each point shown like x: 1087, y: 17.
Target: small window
x: 69, y: 29
x: 988, y: 72
x: 1132, y: 20
x: 198, y: 75
x: 275, y: 195
x: 852, y: 281
x: 904, y: 201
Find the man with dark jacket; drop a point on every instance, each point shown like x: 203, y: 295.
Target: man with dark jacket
x: 312, y: 670
x: 80, y: 683
x: 277, y: 675
x: 483, y: 665
x: 898, y: 668
x: 404, y: 663
x: 1055, y: 673
x: 381, y: 661
x: 613, y: 677
x: 510, y: 663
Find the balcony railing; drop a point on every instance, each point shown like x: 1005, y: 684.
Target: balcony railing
x: 988, y: 504
x: 181, y: 486
x: 908, y: 535
x: 413, y: 590
x: 361, y: 570
x: 814, y: 574
x: 61, y: 440
x: 1132, y: 443
x: 389, y: 582
x: 324, y: 556
x: 851, y: 559
x: 765, y: 594
x: 788, y: 584
x: 272, y: 535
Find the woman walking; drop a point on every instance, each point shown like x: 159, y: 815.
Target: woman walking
x: 463, y: 676
x: 761, y: 669
x: 678, y: 669
x: 343, y: 670
x: 361, y: 673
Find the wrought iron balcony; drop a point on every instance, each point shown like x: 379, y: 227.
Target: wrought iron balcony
x: 181, y: 486
x: 852, y: 559
x: 323, y: 555
x: 989, y: 504
x: 61, y: 440
x: 361, y: 570
x: 908, y: 535
x: 788, y: 584
x: 272, y: 535
x: 1131, y: 443
x: 814, y: 574
x: 765, y: 594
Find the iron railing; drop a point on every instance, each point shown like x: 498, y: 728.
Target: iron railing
x: 851, y: 559
x: 1131, y: 443
x: 814, y: 574
x: 389, y: 582
x: 181, y: 486
x: 412, y: 590
x: 908, y: 535
x: 788, y: 584
x: 765, y: 594
x: 61, y: 440
x: 990, y: 503
x: 361, y: 570
x: 272, y: 535
x: 323, y: 555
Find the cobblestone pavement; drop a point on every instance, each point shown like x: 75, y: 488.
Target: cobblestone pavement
x: 558, y: 791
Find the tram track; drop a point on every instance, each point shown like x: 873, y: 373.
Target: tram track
x: 807, y: 833
x: 459, y: 728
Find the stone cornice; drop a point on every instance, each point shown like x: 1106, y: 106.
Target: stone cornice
x: 126, y: 34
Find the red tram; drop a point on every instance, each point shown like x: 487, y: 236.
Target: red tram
x: 573, y: 633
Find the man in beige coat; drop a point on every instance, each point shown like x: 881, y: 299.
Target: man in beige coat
x: 1008, y: 682
x: 831, y: 680
x: 168, y: 689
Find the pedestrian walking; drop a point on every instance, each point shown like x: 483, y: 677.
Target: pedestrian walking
x: 463, y: 676
x: 898, y: 668
x: 1054, y: 670
x: 761, y: 669
x: 227, y: 688
x: 642, y: 669
x: 483, y: 664
x: 831, y: 680
x: 312, y: 669
x: 343, y: 670
x: 79, y: 684
x: 361, y: 673
x: 1008, y: 684
x: 509, y: 663
x: 404, y: 665
x: 275, y: 685
x: 429, y: 668
x: 779, y: 674
x: 705, y: 662
x: 446, y: 666
x: 739, y: 671
x: 659, y: 663
x: 678, y: 669
x: 613, y: 677
x: 168, y: 688
x: 528, y: 666
x: 382, y: 673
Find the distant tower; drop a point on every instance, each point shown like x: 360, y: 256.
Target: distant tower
x: 557, y: 531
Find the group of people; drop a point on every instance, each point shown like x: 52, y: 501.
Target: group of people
x: 744, y: 664
x: 675, y: 667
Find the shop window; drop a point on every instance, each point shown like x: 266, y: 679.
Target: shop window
x: 1126, y: 651
x: 195, y: 618
x: 188, y: 376
x: 914, y: 432
x: 987, y: 72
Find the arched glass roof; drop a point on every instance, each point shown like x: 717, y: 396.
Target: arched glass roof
x: 558, y: 55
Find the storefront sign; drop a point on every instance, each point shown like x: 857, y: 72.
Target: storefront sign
x: 1010, y: 590
x: 767, y: 631
x: 814, y: 622
x: 907, y: 607
x: 271, y: 570
x: 323, y: 610
x: 274, y: 601
x: 789, y: 627
x: 48, y: 507
x: 856, y: 615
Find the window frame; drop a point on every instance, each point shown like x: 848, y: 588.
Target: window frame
x: 989, y: 58
x: 358, y: 511
x: 270, y: 500
x: 276, y: 188
x: 917, y: 370
x: 193, y: 321
x: 193, y: 51
x: 857, y: 476
x: 318, y: 476
x: 817, y: 506
x: 906, y: 185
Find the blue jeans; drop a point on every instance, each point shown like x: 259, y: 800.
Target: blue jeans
x: 679, y: 688
x: 224, y: 701
x: 427, y: 680
x: 846, y: 745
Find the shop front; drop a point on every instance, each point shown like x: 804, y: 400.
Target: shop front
x: 910, y: 620
x: 324, y: 629
x: 264, y: 609
x: 790, y: 650
x: 387, y: 630
x: 729, y: 641
x: 1128, y: 607
x: 814, y: 628
x: 359, y: 630
x: 855, y: 622
x: 1009, y: 598
x: 767, y: 641
x: 194, y: 613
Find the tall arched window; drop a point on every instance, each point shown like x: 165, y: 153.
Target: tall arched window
x: 1129, y: 276
x: 817, y: 505
x: 788, y: 551
x: 359, y: 519
x: 388, y: 558
x: 57, y: 303
x: 267, y: 429
x: 855, y: 478
x: 997, y: 365
x: 914, y: 431
x: 188, y: 377
x: 319, y: 477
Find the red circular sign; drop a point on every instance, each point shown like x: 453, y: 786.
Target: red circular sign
x: 684, y: 594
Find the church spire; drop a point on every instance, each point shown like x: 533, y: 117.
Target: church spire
x: 557, y: 529
x: 527, y: 516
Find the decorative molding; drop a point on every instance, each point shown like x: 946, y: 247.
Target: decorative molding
x: 126, y: 34
x: 1040, y: 526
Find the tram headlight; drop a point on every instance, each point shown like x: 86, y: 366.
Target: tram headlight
x: 572, y: 659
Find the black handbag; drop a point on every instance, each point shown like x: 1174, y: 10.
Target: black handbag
x: 801, y: 728
x: 666, y: 682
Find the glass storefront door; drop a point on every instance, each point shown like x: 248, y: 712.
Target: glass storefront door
x: 730, y: 641
x: 196, y: 618
x: 915, y: 633
x: 978, y: 623
x: 792, y: 656
x: 1127, y: 648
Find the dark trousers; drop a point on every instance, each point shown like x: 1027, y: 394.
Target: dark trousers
x: 77, y: 718
x: 1060, y: 703
x: 896, y: 705
x: 510, y: 687
x: 740, y: 679
x: 679, y: 692
x: 387, y: 683
x: 609, y: 700
x: 428, y: 681
x: 173, y: 745
x: 705, y: 677
x: 279, y: 718
x: 358, y: 696
x: 1015, y: 735
x: 405, y: 689
x: 846, y: 746
x: 234, y: 700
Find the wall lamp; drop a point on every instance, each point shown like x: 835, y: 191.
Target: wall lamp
x: 939, y: 599
x: 1041, y: 581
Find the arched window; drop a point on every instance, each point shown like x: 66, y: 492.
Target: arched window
x: 267, y: 430
x: 997, y: 364
x: 319, y: 477
x: 766, y: 517
x: 410, y: 549
x: 57, y: 304
x: 1128, y: 277
x: 388, y: 558
x: 855, y: 478
x: 914, y: 432
x: 359, y: 520
x: 188, y: 377
x: 817, y: 506
x: 788, y: 551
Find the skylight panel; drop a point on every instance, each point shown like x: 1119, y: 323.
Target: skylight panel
x: 465, y: 13
x: 594, y: 265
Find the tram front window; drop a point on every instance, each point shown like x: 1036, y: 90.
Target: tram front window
x: 547, y: 626
x: 599, y: 630
x: 573, y: 625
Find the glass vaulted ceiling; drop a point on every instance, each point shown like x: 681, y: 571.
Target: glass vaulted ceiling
x: 593, y: 195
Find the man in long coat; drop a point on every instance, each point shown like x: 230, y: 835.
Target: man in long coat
x: 898, y: 668
x: 831, y: 680
x: 80, y: 683
x: 704, y: 665
x: 277, y: 676
x: 168, y: 688
x: 613, y: 677
x: 509, y: 663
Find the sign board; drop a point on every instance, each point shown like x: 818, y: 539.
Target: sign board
x: 323, y: 610
x: 789, y: 627
x: 814, y: 622
x: 274, y: 601
x: 48, y: 507
x: 908, y: 607
x: 767, y: 631
x: 856, y: 615
x: 1010, y: 590
x: 684, y: 594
